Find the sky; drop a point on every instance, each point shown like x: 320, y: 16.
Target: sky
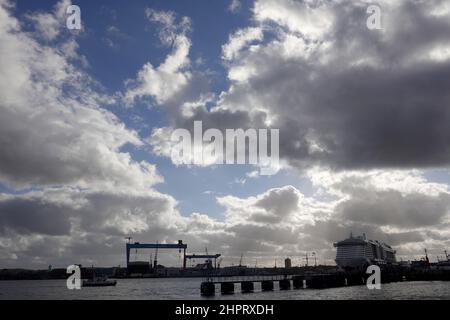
x: 86, y: 118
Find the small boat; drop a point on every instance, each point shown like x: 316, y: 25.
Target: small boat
x: 102, y: 281
x: 99, y: 282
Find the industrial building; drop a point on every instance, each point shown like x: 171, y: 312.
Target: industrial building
x: 287, y: 263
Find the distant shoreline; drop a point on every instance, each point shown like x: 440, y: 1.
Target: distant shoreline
x: 121, y: 273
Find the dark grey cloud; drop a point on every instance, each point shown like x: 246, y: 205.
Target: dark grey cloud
x: 27, y: 216
x: 120, y: 214
x: 56, y: 211
x: 390, y: 114
x: 391, y: 208
x: 52, y: 147
x: 373, y: 99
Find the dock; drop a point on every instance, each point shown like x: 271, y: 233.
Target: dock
x: 247, y: 284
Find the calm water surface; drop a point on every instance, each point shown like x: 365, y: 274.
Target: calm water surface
x: 190, y: 289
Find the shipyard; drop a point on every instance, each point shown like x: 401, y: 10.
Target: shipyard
x: 353, y: 257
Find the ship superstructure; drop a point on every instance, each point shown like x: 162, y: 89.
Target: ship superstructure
x: 359, y: 252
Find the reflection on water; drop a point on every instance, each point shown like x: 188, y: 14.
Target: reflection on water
x: 190, y: 289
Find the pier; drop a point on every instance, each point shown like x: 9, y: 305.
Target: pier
x: 247, y: 284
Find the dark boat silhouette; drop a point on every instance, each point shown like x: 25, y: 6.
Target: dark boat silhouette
x: 102, y: 281
x: 99, y: 282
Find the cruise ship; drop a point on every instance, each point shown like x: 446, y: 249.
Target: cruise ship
x: 359, y: 252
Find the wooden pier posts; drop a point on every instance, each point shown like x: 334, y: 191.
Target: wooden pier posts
x: 247, y: 287
x: 285, y: 284
x: 267, y: 285
x: 207, y: 289
x: 227, y: 287
x: 298, y: 282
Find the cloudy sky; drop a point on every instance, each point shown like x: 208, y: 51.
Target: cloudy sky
x: 86, y: 116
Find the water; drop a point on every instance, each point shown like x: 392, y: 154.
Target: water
x: 189, y: 288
